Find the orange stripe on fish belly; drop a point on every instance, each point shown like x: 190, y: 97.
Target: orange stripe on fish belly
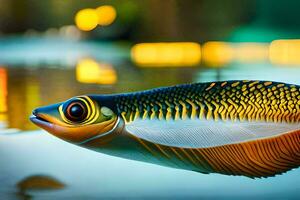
x: 257, y: 158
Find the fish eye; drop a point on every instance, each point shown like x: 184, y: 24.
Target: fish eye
x: 76, y: 111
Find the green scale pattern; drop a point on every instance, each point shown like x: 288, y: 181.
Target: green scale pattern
x: 228, y: 100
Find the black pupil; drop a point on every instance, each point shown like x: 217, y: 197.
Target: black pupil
x: 76, y: 111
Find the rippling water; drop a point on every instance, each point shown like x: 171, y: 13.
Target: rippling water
x: 36, y: 165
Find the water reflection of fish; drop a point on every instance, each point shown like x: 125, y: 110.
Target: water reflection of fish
x: 248, y: 128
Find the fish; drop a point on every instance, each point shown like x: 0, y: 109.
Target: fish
x: 236, y: 127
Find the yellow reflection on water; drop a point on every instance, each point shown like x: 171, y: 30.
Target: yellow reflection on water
x: 106, y: 15
x: 285, y: 52
x: 217, y: 54
x: 90, y: 71
x: 166, y: 54
x: 3, y: 121
x: 86, y: 19
x: 3, y: 90
x: 23, y: 97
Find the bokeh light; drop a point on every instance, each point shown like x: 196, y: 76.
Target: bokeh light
x: 86, y: 19
x: 285, y: 52
x: 106, y: 15
x: 3, y: 90
x: 90, y: 71
x: 251, y: 52
x: 166, y: 54
x: 217, y: 54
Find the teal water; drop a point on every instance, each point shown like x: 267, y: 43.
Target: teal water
x: 36, y: 160
x: 93, y: 175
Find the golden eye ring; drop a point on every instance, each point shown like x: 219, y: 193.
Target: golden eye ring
x: 85, y: 111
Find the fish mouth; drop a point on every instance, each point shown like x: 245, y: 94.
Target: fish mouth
x: 40, y: 120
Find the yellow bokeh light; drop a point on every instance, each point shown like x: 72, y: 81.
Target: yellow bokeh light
x: 3, y: 90
x: 166, y: 54
x: 90, y: 71
x: 216, y: 54
x: 86, y: 19
x: 106, y: 15
x: 3, y: 117
x: 285, y: 52
x: 251, y: 52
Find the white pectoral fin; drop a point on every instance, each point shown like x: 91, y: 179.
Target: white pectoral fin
x: 205, y: 133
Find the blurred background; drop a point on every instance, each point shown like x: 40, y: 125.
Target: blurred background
x: 52, y: 50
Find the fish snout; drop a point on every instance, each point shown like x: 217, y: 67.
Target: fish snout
x: 34, y: 112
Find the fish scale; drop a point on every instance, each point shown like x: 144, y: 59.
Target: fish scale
x: 233, y: 100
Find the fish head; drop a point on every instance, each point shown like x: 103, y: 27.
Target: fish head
x: 77, y: 120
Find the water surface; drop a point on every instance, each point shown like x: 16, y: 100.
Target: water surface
x: 28, y: 153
